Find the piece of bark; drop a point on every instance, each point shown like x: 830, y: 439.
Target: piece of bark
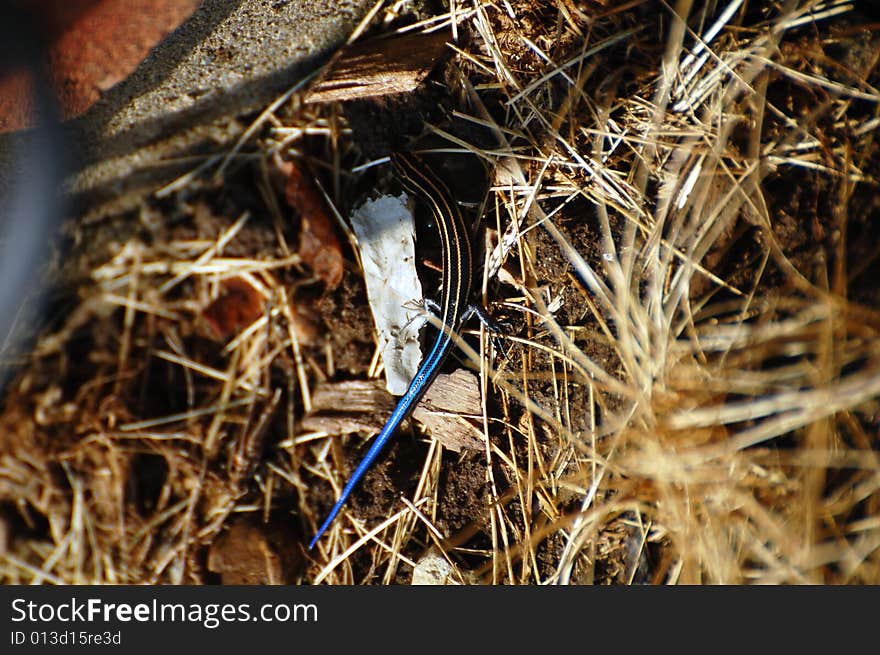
x: 380, y: 67
x: 350, y: 406
x: 364, y: 406
x: 444, y: 407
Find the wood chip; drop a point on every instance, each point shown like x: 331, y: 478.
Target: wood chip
x: 351, y: 406
x: 380, y: 67
x: 364, y: 406
x: 443, y: 409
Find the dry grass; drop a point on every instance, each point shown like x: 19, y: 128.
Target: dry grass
x: 691, y: 395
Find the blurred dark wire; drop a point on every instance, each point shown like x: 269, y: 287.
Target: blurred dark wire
x: 32, y: 168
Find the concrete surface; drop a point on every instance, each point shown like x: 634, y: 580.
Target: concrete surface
x: 229, y: 57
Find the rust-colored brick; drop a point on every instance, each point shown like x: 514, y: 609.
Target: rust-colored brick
x: 93, y: 44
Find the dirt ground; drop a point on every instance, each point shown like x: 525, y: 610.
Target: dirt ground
x: 709, y: 422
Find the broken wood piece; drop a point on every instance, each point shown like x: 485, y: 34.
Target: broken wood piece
x: 444, y: 407
x: 350, y: 406
x: 380, y: 67
x: 364, y: 406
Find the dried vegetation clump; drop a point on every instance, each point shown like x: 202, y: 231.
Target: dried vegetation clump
x: 685, y: 253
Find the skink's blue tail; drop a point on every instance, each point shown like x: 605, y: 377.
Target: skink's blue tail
x: 400, y: 412
x: 368, y: 459
x: 416, y: 388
